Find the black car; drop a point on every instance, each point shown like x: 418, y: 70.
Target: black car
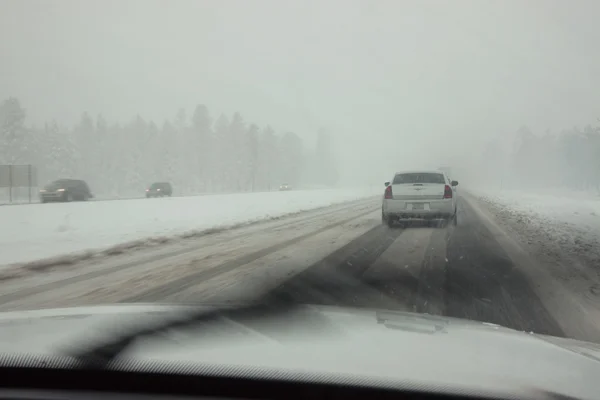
x: 159, y: 189
x: 66, y: 190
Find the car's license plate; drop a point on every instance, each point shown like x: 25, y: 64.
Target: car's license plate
x: 418, y: 206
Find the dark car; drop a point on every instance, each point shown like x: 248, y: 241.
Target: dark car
x: 159, y: 189
x: 66, y: 190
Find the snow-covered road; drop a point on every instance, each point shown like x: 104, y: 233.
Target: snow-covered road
x: 490, y: 267
x: 36, y: 232
x: 557, y: 235
x: 338, y: 255
x: 563, y: 224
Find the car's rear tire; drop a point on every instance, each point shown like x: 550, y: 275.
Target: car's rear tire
x: 386, y: 220
x: 390, y: 222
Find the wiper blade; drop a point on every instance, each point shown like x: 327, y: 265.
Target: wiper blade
x: 101, y: 354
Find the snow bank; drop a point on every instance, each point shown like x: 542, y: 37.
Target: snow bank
x: 563, y: 224
x: 32, y: 232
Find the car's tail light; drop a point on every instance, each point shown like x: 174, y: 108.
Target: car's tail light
x: 388, y: 192
x: 447, y: 192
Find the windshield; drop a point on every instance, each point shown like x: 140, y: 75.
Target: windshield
x: 440, y: 158
x: 57, y: 184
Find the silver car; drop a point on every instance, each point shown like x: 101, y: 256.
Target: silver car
x: 423, y: 195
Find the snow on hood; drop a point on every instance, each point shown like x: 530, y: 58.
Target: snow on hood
x: 370, y: 343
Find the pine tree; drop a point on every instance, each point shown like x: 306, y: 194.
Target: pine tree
x: 268, y: 159
x: 251, y: 146
x: 236, y: 148
x: 202, y: 139
x: 12, y: 132
x: 224, y: 156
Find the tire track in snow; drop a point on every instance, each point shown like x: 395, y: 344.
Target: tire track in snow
x: 160, y: 292
x: 300, y: 219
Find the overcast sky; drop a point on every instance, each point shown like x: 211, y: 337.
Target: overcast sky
x: 391, y: 79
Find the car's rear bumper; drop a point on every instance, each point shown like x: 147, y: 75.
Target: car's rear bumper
x: 429, y: 209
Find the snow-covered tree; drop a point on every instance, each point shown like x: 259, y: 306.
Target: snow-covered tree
x: 268, y: 160
x: 236, y: 150
x: 121, y: 159
x: 12, y: 132
x: 223, y: 171
x: 202, y: 139
x: 251, y: 157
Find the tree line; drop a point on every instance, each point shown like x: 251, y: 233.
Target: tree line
x: 196, y: 154
x: 567, y: 159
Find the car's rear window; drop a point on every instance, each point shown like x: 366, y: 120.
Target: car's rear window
x: 159, y: 185
x: 58, y: 184
x: 418, y: 178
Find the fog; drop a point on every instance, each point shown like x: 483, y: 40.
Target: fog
x: 397, y: 84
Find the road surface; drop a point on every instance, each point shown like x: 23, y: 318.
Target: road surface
x: 340, y: 255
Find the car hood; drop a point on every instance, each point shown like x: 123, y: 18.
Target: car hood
x: 373, y: 344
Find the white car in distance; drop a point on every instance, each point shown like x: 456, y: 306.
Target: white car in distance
x: 421, y: 195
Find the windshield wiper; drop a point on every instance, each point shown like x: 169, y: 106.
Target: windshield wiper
x: 101, y: 354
